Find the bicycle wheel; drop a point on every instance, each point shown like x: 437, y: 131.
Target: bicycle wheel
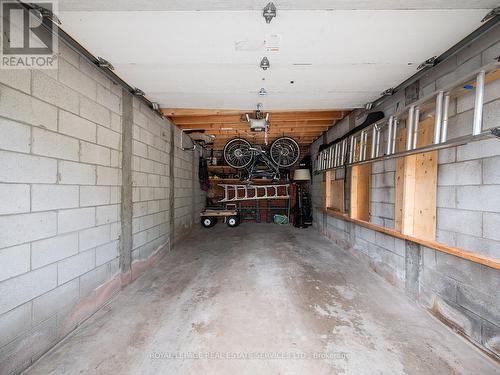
x: 285, y: 152
x: 237, y: 153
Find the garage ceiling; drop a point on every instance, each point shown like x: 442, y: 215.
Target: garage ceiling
x: 327, y: 55
x: 304, y: 126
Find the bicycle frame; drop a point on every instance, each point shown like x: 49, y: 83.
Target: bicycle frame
x: 259, y: 156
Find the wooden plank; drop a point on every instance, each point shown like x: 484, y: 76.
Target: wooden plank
x: 218, y: 213
x: 398, y: 214
x: 360, y: 191
x: 425, y: 132
x: 273, y: 125
x: 328, y: 188
x: 460, y: 253
x: 237, y: 120
x: 337, y: 202
x: 416, y: 190
x: 401, y: 136
x: 178, y: 112
x: 408, y: 199
x: 334, y: 192
x: 424, y: 222
x: 169, y: 112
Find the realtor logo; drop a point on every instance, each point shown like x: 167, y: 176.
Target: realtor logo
x: 29, y: 37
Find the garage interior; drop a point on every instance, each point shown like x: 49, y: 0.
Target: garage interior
x: 296, y: 187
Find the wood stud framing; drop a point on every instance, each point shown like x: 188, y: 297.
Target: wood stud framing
x: 303, y: 126
x: 423, y: 129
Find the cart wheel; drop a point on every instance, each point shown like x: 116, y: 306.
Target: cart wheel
x: 208, y: 221
x: 233, y: 221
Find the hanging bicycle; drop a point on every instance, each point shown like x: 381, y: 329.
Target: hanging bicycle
x: 261, y: 162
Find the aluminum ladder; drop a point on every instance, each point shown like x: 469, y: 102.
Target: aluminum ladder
x: 353, y: 150
x: 236, y: 193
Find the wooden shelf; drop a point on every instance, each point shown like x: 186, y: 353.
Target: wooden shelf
x: 470, y: 256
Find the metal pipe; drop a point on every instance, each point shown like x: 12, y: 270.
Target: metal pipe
x: 339, y: 154
x: 355, y: 147
x: 415, y: 127
x: 389, y: 136
x: 446, y: 107
x: 478, y: 104
x: 351, y: 150
x: 374, y: 141
x: 409, y: 127
x: 361, y: 145
x: 377, y: 151
x: 344, y: 145
x: 394, y: 132
x: 366, y: 145
x: 438, y: 117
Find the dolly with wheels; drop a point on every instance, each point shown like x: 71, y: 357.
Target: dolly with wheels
x: 209, y: 217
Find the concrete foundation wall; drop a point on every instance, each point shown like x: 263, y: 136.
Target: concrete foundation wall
x: 61, y: 250
x: 461, y: 293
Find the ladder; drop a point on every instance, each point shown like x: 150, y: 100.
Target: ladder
x: 359, y: 149
x: 235, y: 193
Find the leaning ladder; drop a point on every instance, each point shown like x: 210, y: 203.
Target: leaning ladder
x: 235, y: 193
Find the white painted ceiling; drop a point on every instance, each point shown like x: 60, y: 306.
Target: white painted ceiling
x: 340, y: 58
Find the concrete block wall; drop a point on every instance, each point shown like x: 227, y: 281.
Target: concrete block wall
x: 461, y: 293
x: 150, y: 181
x: 60, y: 199
x: 189, y: 199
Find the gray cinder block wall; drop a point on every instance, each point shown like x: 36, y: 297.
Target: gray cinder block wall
x: 463, y: 294
x: 61, y: 156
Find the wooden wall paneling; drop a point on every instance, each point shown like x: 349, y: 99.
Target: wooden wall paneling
x: 408, y: 194
x: 338, y: 195
x: 328, y: 188
x: 424, y: 222
x: 360, y: 191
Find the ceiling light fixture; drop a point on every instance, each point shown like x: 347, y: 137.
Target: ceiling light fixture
x: 265, y: 64
x: 269, y: 12
x: 262, y: 92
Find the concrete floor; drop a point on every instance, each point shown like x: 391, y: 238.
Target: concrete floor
x: 260, y: 290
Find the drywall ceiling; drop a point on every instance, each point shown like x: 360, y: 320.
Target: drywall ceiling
x: 327, y: 59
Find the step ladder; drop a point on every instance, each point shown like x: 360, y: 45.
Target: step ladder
x: 359, y: 149
x: 236, y: 193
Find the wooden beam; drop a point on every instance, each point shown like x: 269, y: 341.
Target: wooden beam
x: 236, y: 119
x: 272, y: 125
x: 181, y: 112
x: 170, y: 112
